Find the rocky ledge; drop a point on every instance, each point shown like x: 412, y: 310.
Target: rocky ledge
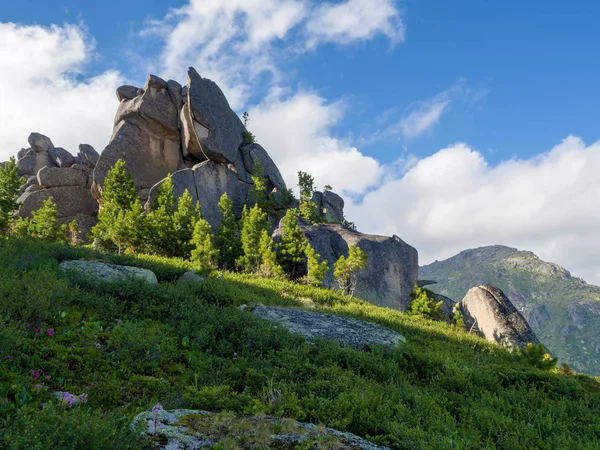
x: 345, y: 331
x: 190, y: 429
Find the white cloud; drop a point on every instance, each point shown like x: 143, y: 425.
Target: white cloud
x: 424, y: 117
x: 454, y: 200
x: 355, y: 20
x: 229, y: 42
x: 234, y: 41
x: 301, y: 140
x: 42, y: 88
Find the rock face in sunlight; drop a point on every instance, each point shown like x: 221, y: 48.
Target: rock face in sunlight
x: 487, y: 308
x: 347, y: 332
x: 191, y: 134
x: 392, y: 264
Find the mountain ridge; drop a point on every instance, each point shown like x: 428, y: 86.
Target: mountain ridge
x: 563, y: 310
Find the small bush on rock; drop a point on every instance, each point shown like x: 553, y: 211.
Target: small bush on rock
x: 424, y: 305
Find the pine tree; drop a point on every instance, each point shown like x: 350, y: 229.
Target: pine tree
x: 204, y: 253
x: 184, y: 222
x: 345, y: 269
x: 162, y: 239
x: 423, y: 305
x: 43, y: 224
x: 10, y: 183
x: 227, y: 240
x: 258, y: 193
x: 254, y: 222
x: 316, y: 270
x: 293, y: 245
x: 119, y: 203
x: 269, y: 266
x: 308, y: 208
x: 119, y: 188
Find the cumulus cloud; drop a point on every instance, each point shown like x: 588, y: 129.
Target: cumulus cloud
x: 302, y: 141
x: 43, y: 88
x: 234, y: 42
x: 355, y: 20
x: 455, y: 200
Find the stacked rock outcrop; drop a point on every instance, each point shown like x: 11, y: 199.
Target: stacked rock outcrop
x: 191, y: 134
x: 54, y: 172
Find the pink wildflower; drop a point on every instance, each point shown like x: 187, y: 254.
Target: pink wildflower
x: 50, y: 332
x: 158, y: 407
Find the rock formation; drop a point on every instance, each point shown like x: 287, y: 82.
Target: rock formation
x: 487, y: 308
x: 392, y: 264
x: 54, y: 172
x: 191, y: 134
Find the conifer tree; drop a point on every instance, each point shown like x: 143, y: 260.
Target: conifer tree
x: 308, y: 208
x: 293, y: 245
x: 162, y: 239
x: 345, y: 269
x: 184, y: 222
x: 10, y: 183
x: 316, y: 270
x: 254, y: 222
x: 227, y: 240
x: 258, y: 193
x: 204, y: 253
x: 119, y: 203
x: 423, y: 305
x: 269, y: 266
x: 43, y: 224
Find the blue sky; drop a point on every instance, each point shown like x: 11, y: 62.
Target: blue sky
x: 451, y: 124
x: 535, y: 60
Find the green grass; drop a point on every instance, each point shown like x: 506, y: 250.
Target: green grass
x: 130, y: 346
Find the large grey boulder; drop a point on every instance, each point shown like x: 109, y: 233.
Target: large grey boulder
x: 392, y: 264
x: 41, y: 145
x: 87, y: 156
x: 496, y: 318
x: 56, y: 177
x: 61, y: 157
x: 207, y: 182
x: 146, y: 136
x: 149, y: 157
x: 191, y: 277
x: 253, y: 153
x: 152, y: 108
x: 332, y: 207
x: 212, y: 129
x: 127, y: 92
x: 22, y: 152
x: 187, y: 429
x: 69, y: 200
x: 109, y: 273
x: 345, y: 331
x: 26, y: 163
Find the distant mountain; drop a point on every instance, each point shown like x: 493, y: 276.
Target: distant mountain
x: 564, y: 311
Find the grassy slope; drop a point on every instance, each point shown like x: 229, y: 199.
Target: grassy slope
x: 133, y: 345
x: 543, y: 290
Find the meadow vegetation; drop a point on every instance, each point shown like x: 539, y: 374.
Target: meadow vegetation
x: 79, y: 359
x: 129, y: 346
